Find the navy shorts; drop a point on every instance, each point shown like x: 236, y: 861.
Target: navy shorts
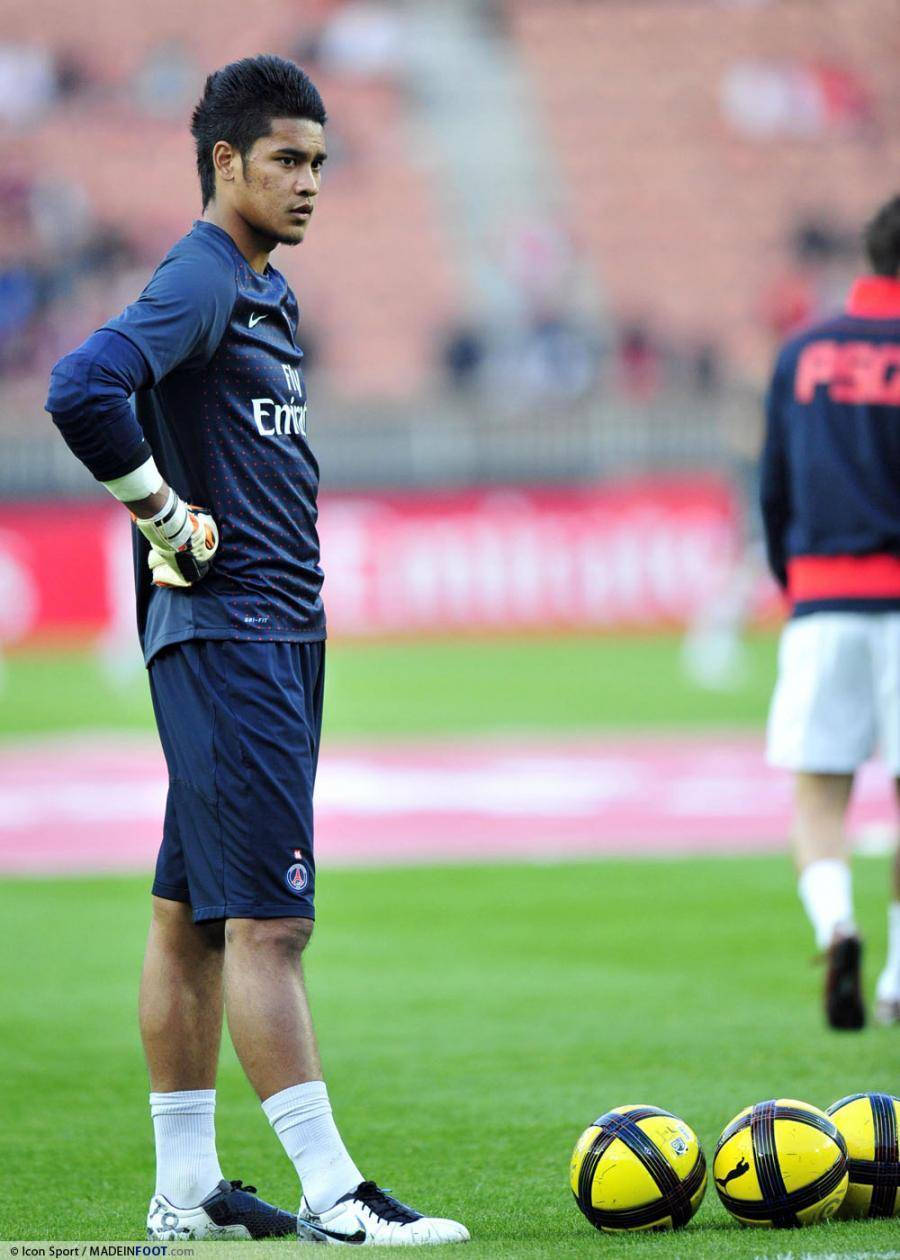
x: 240, y: 724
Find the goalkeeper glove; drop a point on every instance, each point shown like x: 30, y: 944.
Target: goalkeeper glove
x: 183, y: 541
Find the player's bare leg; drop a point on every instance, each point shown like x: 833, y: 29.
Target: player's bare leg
x: 822, y: 852
x: 181, y: 999
x: 181, y: 1028
x: 820, y: 807
x: 887, y: 991
x: 268, y: 1012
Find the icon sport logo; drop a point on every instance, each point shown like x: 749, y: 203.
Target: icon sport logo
x: 256, y: 319
x: 297, y: 877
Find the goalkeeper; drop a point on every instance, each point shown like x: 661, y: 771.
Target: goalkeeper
x: 232, y: 627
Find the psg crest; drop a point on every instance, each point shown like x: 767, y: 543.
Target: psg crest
x: 297, y: 877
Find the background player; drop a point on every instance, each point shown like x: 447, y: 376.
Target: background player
x: 233, y: 638
x: 830, y: 496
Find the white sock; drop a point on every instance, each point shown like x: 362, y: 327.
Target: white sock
x: 187, y: 1166
x: 301, y: 1116
x: 888, y: 987
x: 826, y: 892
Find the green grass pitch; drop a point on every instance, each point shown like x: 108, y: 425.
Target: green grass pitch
x: 435, y: 686
x: 466, y: 1044
x: 473, y: 1020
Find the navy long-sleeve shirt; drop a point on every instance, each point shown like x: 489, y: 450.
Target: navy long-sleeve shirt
x: 830, y: 472
x: 208, y: 352
x: 90, y: 401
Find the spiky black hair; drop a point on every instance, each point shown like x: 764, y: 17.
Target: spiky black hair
x: 239, y: 103
x: 882, y: 239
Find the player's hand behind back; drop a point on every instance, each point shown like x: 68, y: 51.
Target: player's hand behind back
x: 183, y: 542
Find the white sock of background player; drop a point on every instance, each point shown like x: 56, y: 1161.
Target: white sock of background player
x: 888, y: 987
x: 187, y: 1166
x: 826, y: 891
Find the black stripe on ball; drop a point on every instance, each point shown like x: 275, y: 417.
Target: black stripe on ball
x: 630, y: 1218
x: 865, y: 1172
x: 886, y: 1155
x: 588, y: 1168
x: 696, y: 1177
x: 768, y: 1170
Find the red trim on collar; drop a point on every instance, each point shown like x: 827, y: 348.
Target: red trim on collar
x: 877, y: 297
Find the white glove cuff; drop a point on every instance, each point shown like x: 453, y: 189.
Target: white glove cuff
x: 174, y: 521
x: 136, y: 485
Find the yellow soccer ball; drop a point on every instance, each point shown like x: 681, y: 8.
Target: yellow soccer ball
x: 780, y: 1164
x: 869, y: 1124
x: 638, y: 1168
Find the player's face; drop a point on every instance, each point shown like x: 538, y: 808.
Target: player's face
x: 275, y: 191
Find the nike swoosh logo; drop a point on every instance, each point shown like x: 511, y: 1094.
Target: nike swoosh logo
x: 359, y: 1237
x: 255, y: 319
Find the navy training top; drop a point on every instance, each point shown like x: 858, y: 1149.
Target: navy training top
x: 222, y: 402
x: 830, y: 472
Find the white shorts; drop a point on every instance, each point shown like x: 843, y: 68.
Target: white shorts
x: 837, y: 697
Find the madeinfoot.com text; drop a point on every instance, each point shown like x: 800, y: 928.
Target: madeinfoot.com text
x: 54, y: 1251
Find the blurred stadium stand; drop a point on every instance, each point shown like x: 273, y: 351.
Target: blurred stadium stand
x: 558, y: 238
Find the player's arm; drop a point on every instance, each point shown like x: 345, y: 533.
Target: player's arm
x: 178, y: 321
x: 774, y: 487
x: 89, y: 400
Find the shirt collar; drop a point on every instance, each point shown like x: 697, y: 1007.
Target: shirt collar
x: 876, y: 297
x: 204, y: 225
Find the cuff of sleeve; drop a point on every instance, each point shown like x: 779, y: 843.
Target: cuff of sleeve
x: 109, y: 466
x: 137, y: 484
